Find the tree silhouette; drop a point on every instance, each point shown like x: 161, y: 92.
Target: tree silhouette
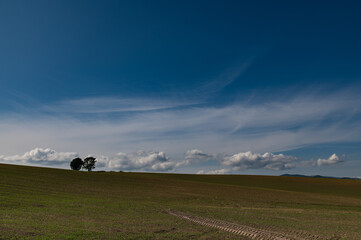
x: 76, y: 164
x: 89, y: 163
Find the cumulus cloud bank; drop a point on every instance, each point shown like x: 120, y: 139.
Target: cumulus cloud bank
x: 156, y: 161
x: 143, y: 160
x: 43, y: 156
x: 246, y: 160
x: 219, y: 171
x: 197, y: 155
x: 333, y: 159
x: 139, y: 161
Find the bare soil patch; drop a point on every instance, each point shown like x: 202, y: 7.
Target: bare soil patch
x: 246, y: 231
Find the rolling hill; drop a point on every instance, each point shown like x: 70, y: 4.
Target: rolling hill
x: 44, y: 203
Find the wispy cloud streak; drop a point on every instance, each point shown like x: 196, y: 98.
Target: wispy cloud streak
x: 271, y: 126
x: 226, y: 77
x: 114, y: 105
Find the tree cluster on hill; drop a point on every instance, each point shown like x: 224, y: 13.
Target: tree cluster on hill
x: 78, y: 163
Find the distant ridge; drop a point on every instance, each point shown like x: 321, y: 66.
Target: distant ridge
x: 318, y: 176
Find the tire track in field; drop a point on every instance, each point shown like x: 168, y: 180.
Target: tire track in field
x: 246, y: 231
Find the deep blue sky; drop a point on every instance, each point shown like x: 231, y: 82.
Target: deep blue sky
x: 247, y: 67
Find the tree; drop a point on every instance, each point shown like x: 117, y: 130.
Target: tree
x: 89, y: 163
x: 76, y: 164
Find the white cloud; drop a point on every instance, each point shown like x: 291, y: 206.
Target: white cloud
x: 102, y: 161
x: 143, y: 160
x: 333, y: 159
x: 41, y: 156
x: 249, y: 160
x: 198, y: 156
x: 245, y: 160
x: 220, y: 171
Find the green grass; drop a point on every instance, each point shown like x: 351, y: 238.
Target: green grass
x: 42, y: 203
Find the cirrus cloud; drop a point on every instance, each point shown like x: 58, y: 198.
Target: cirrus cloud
x: 103, y: 124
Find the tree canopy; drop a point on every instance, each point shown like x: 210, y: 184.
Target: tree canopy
x: 76, y: 164
x: 89, y: 163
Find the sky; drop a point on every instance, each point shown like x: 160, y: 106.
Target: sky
x: 208, y: 87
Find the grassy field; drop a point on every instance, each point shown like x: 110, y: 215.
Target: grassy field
x: 42, y: 203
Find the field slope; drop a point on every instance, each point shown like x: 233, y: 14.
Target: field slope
x: 43, y: 203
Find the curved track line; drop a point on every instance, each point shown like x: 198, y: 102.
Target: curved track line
x: 250, y: 232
